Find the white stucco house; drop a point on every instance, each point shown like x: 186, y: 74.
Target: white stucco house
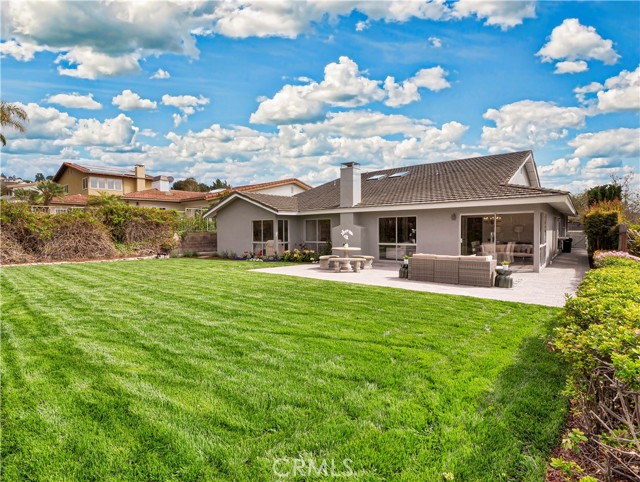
x: 484, y: 205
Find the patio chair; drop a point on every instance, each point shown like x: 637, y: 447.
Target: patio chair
x: 368, y: 260
x: 324, y: 260
x: 341, y: 264
x: 476, y: 271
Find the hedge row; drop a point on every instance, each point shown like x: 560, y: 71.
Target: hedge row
x: 97, y: 232
x: 599, y: 335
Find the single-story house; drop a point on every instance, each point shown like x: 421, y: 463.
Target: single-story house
x: 484, y: 205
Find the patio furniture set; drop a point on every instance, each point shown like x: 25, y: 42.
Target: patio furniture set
x: 464, y: 270
x: 352, y: 263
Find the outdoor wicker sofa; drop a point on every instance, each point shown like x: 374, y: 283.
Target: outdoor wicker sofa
x: 464, y: 270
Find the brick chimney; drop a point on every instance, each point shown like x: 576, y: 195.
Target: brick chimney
x: 141, y: 184
x: 350, y: 189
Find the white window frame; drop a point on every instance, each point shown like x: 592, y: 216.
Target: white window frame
x: 102, y: 183
x: 85, y: 183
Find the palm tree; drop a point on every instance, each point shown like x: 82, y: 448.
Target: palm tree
x: 49, y: 190
x: 27, y: 195
x: 13, y: 116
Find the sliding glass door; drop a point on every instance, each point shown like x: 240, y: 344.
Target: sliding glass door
x: 505, y: 236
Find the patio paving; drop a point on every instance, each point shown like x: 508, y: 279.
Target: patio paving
x: 549, y: 287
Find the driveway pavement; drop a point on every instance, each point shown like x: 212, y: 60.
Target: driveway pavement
x: 549, y: 287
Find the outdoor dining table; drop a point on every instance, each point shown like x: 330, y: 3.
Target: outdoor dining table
x: 346, y: 259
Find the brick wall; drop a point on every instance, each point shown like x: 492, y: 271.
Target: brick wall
x: 200, y: 242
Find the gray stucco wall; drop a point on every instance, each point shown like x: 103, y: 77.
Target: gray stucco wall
x: 234, y: 225
x: 438, y: 230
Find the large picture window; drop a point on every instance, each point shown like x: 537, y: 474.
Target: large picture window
x: 397, y: 237
x: 317, y: 234
x: 262, y: 232
x: 105, y: 183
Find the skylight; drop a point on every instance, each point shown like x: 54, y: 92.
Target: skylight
x: 399, y: 174
x: 377, y: 177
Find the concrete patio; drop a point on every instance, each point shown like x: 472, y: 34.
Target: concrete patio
x: 549, y: 287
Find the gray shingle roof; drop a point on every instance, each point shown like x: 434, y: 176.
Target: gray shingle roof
x: 450, y: 181
x: 478, y: 178
x: 278, y: 203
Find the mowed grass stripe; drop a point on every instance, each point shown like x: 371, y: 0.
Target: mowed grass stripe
x: 187, y: 369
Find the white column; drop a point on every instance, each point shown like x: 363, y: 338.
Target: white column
x: 536, y: 241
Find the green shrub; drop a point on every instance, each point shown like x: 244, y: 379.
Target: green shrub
x: 599, y: 335
x: 633, y: 239
x: 601, y: 225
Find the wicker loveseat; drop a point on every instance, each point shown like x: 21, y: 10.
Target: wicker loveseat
x: 464, y: 270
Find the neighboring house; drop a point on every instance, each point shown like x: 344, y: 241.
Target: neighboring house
x: 92, y: 180
x: 9, y: 189
x: 485, y: 205
x: 160, y: 196
x: 139, y: 189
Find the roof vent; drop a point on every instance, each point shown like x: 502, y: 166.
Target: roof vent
x: 377, y: 177
x: 399, y: 174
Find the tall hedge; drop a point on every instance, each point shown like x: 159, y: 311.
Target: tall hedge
x: 599, y: 335
x: 601, y: 225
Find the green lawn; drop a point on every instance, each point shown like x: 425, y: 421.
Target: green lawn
x: 187, y: 369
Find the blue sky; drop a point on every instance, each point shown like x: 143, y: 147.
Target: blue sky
x: 257, y: 91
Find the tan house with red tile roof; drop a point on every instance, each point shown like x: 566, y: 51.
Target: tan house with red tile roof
x: 92, y: 180
x: 137, y: 188
x: 160, y: 196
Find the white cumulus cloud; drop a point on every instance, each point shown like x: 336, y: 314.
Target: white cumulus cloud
x: 128, y: 100
x: 116, y: 132
x: 74, y: 101
x: 160, y: 74
x: 344, y: 85
x: 85, y: 63
x: 572, y: 42
x: 407, y: 92
x: 529, y: 124
x: 621, y: 92
x: 187, y: 104
x: 500, y: 13
x: 618, y: 94
x: 621, y: 143
x: 435, y: 42
x: 560, y: 167
x: 571, y: 67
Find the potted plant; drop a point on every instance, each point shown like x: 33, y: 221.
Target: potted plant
x: 406, y: 260
x: 505, y: 265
